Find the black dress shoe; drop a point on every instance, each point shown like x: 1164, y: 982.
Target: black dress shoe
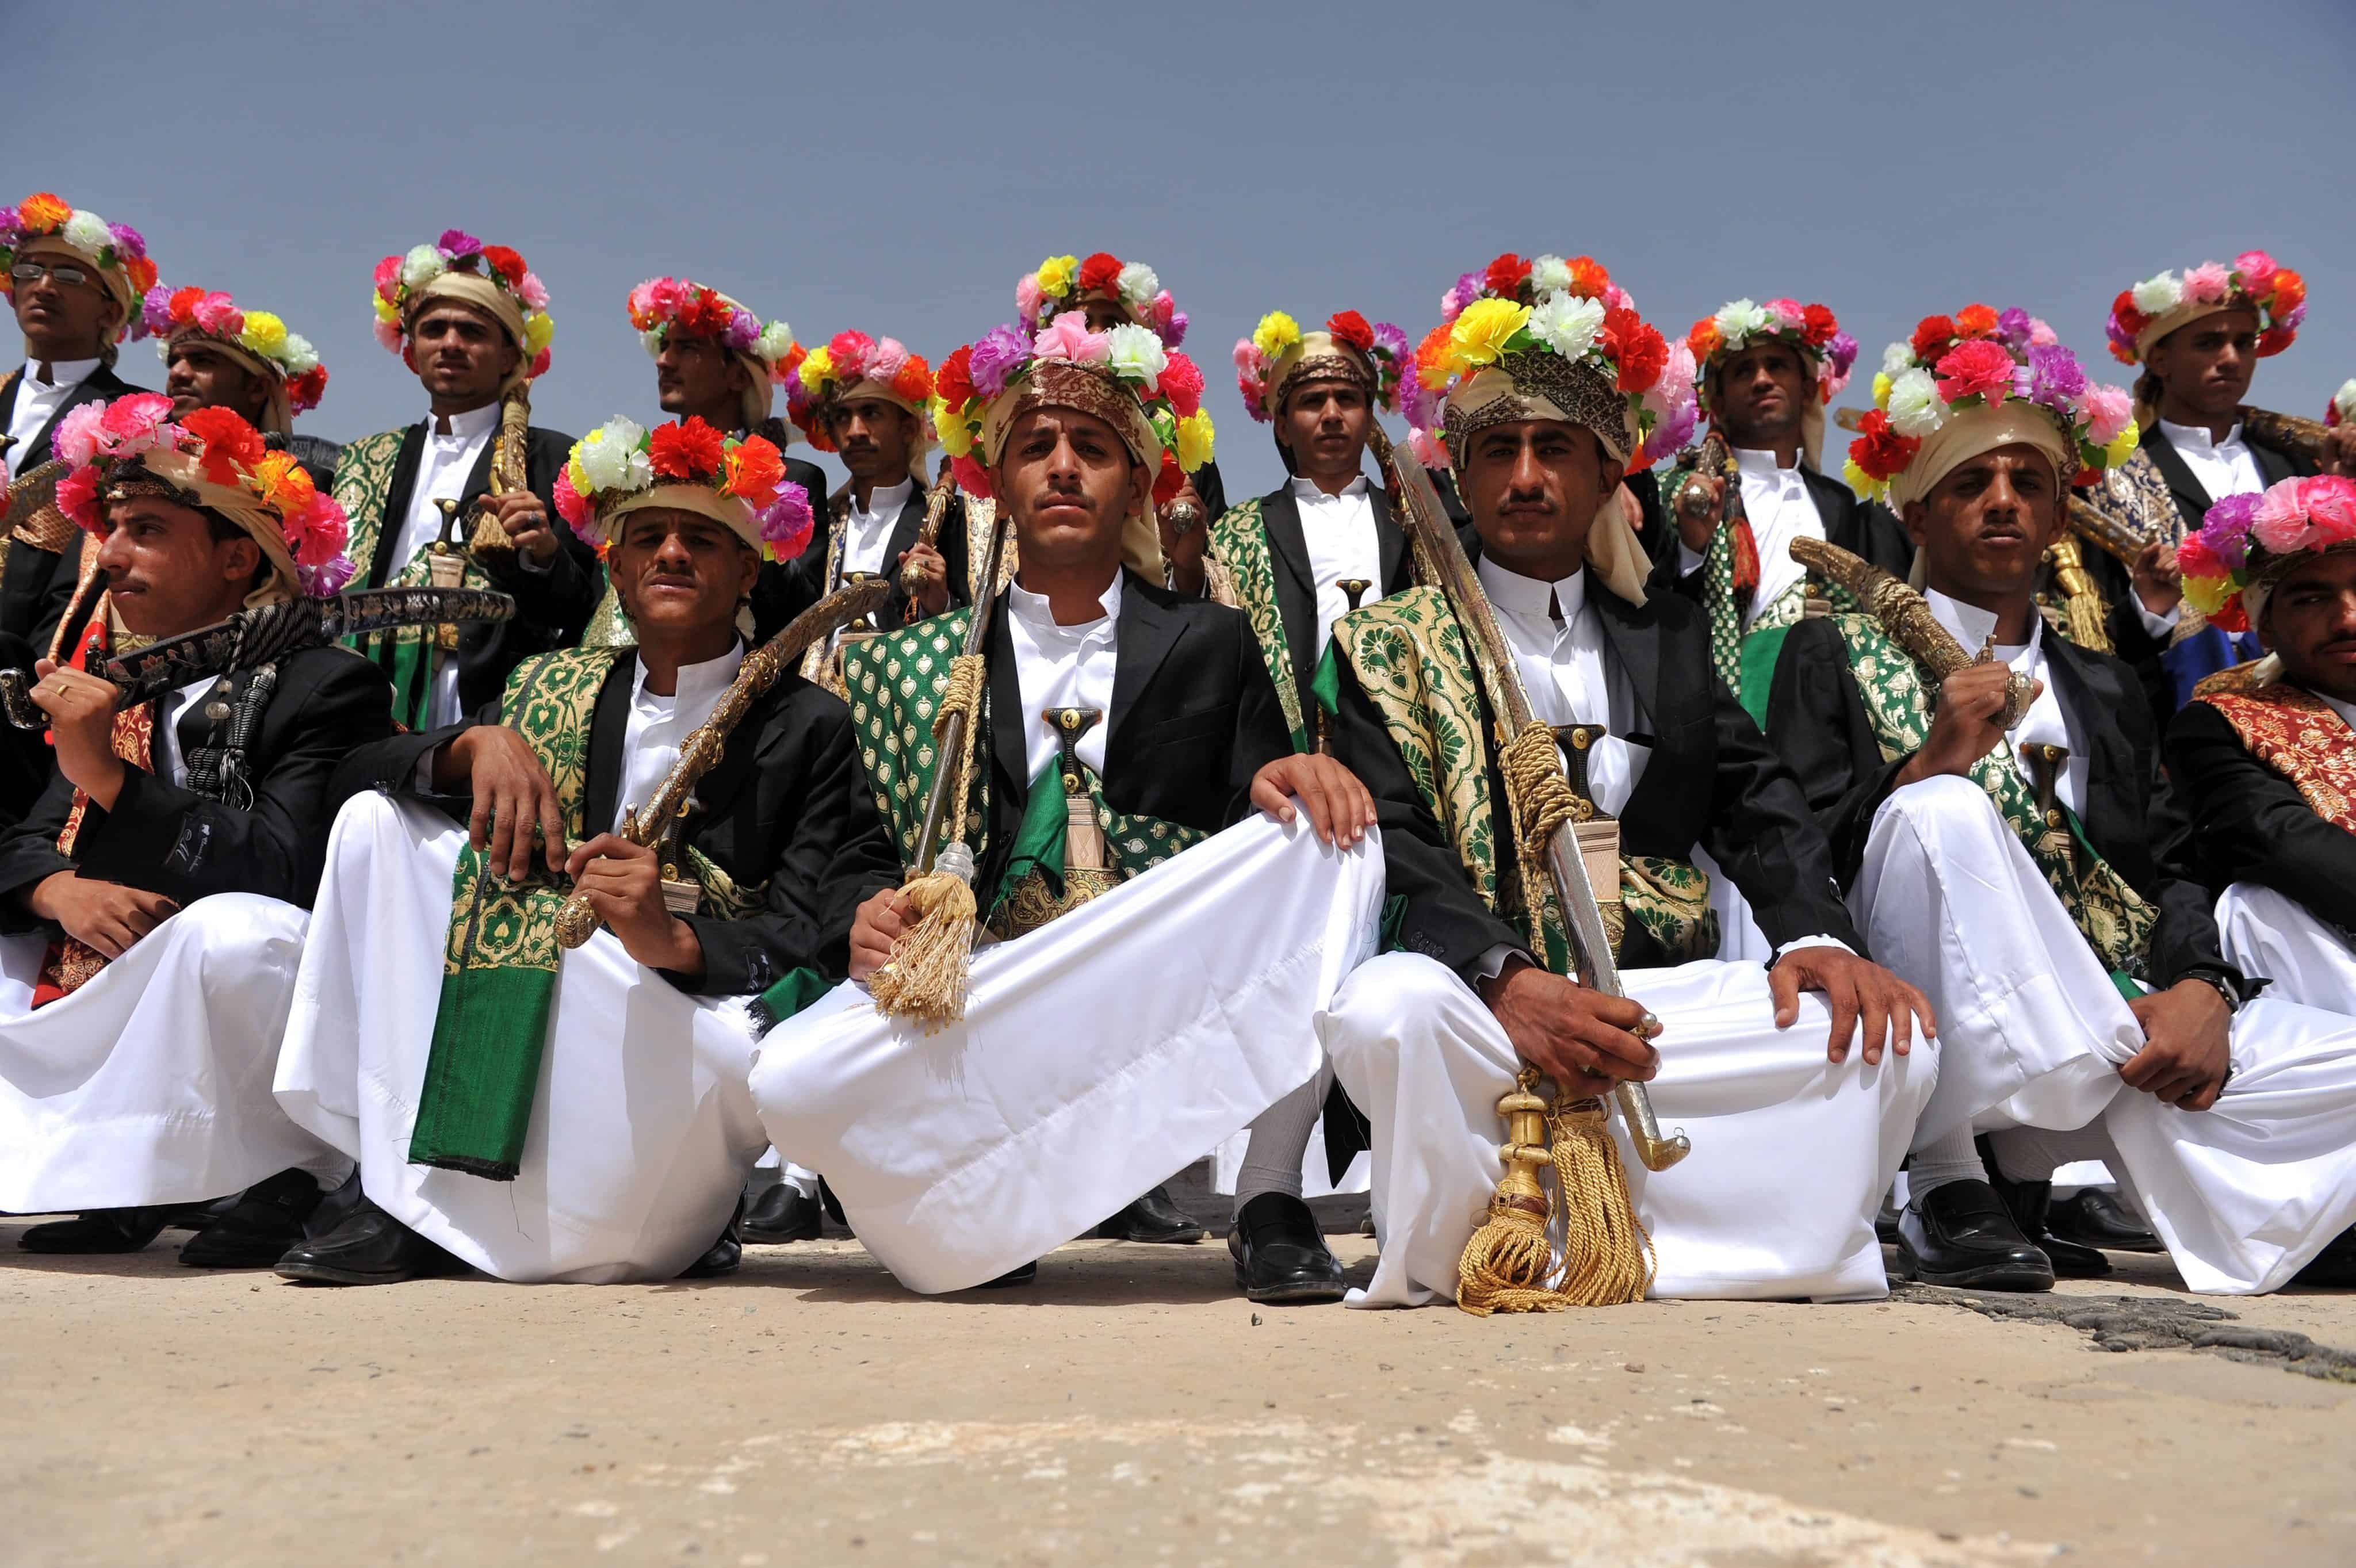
x: 369, y: 1248
x: 2334, y: 1267
x: 782, y: 1214
x: 724, y: 1255
x: 1152, y: 1218
x: 196, y: 1216
x: 2028, y: 1203
x: 259, y: 1228
x: 100, y: 1230
x: 1024, y: 1275
x: 1962, y: 1234
x: 1280, y: 1254
x: 2094, y: 1218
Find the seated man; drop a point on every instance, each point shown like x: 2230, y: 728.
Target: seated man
x: 157, y: 893
x: 2266, y: 774
x: 1112, y: 724
x: 1998, y: 847
x: 1426, y: 1039
x: 550, y: 1115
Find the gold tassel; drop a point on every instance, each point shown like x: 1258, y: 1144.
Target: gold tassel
x: 1508, y: 1263
x: 925, y: 979
x: 1507, y: 1260
x: 2085, y: 618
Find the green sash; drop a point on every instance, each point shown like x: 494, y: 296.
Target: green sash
x: 1409, y: 657
x: 1239, y: 541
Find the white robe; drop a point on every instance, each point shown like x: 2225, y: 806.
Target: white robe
x: 151, y: 1083
x: 1096, y: 1056
x: 2270, y: 933
x: 641, y: 1132
x: 2033, y: 1033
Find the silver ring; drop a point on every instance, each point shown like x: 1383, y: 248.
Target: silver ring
x: 1185, y: 517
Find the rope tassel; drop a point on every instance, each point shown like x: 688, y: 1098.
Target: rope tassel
x: 1508, y: 1263
x: 926, y: 977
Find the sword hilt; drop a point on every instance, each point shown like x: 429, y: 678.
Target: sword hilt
x: 1356, y: 587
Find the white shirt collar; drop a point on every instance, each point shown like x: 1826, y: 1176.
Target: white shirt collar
x: 697, y: 684
x: 1307, y: 490
x: 65, y: 372
x: 1763, y: 463
x: 1036, y: 612
x: 471, y: 425
x: 1517, y: 594
x: 1970, y: 624
x: 884, y: 501
x: 2195, y: 438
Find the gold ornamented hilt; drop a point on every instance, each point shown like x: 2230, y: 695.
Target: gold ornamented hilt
x: 682, y: 895
x: 1355, y: 588
x: 1084, y: 840
x: 446, y: 562
x: 1521, y: 1192
x: 2046, y: 763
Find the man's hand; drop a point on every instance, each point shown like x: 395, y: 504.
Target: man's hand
x: 2338, y: 453
x: 2184, y: 1058
x: 932, y: 574
x: 527, y: 522
x: 2157, y: 583
x: 622, y: 882
x: 515, y: 802
x: 1700, y: 503
x: 1340, y: 808
x: 1967, y: 725
x: 1583, y: 1039
x: 1854, y: 989
x: 106, y: 916
x: 878, y: 925
x: 82, y: 721
x: 1183, y: 549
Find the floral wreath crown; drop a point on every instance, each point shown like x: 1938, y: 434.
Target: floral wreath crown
x: 118, y: 247
x: 843, y: 362
x: 168, y: 313
x: 2253, y: 283
x: 1258, y: 355
x: 2343, y: 406
x: 100, y: 440
x: 1978, y: 358
x: 658, y: 304
x: 2245, y: 540
x: 622, y: 459
x: 401, y: 279
x: 1812, y: 331
x: 1167, y: 384
x: 1062, y: 282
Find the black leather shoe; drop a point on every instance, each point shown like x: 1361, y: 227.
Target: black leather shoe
x: 1280, y: 1254
x: 1026, y: 1274
x: 782, y: 1214
x: 2334, y: 1267
x: 196, y: 1216
x: 2094, y: 1218
x: 1152, y: 1218
x: 2028, y: 1203
x: 724, y: 1255
x: 100, y: 1230
x: 370, y: 1247
x: 259, y: 1228
x: 1961, y: 1234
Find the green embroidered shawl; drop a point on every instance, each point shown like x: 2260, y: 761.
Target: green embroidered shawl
x: 1238, y: 541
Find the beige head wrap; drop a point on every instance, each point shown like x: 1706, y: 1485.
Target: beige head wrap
x: 1317, y: 356
x: 1971, y: 432
x: 116, y: 281
x: 483, y: 295
x: 278, y: 408
x: 872, y: 390
x: 733, y: 513
x: 1084, y: 389
x: 181, y: 472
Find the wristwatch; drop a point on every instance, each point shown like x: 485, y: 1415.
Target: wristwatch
x: 2235, y: 989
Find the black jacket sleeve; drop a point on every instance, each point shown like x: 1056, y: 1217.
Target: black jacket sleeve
x: 29, y: 853
x: 2249, y: 823
x: 1817, y: 723
x: 1764, y: 835
x: 1260, y: 735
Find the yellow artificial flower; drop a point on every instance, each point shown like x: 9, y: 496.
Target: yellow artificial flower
x: 817, y: 370
x: 264, y: 333
x: 578, y: 475
x: 1867, y: 487
x: 956, y: 436
x: 1881, y: 389
x: 2208, y: 595
x: 1482, y: 332
x: 2122, y: 448
x: 1275, y: 333
x: 1195, y: 440
x: 539, y: 332
x: 1056, y: 274
x: 384, y: 308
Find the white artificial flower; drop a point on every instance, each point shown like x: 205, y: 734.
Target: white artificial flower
x: 1739, y: 322
x: 1896, y: 358
x: 651, y: 340
x: 1550, y: 275
x: 422, y: 265
x: 776, y: 340
x: 1567, y: 324
x: 611, y: 459
x: 299, y: 358
x: 2344, y: 399
x: 2157, y: 296
x: 1136, y: 354
x: 86, y: 232
x: 1915, y: 406
x: 1138, y: 284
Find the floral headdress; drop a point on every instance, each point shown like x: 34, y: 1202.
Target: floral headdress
x: 210, y: 458
x: 257, y: 339
x: 2343, y: 404
x: 458, y: 266
x: 1967, y: 383
x: 117, y: 251
x: 1279, y: 353
x: 2157, y: 306
x: 621, y: 468
x: 660, y: 304
x: 852, y: 365
x: 2248, y: 543
x: 1066, y: 283
x: 1547, y: 338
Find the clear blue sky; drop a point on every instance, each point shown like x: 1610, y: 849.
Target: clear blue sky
x: 896, y: 167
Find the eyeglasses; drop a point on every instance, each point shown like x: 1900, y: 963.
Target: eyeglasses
x: 33, y: 272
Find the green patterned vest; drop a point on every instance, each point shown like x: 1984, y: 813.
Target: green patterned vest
x: 1238, y: 541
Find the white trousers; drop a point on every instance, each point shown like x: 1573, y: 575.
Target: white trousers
x: 1791, y: 1152
x: 2271, y: 933
x: 2033, y: 1033
x: 641, y: 1134
x: 1096, y: 1056
x: 151, y: 1083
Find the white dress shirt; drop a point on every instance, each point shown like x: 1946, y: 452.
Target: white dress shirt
x: 1776, y: 501
x: 1339, y: 532
x: 164, y: 757
x: 1061, y: 667
x: 2047, y: 722
x: 867, y: 530
x: 2226, y: 467
x: 441, y: 470
x: 38, y: 401
x: 660, y: 725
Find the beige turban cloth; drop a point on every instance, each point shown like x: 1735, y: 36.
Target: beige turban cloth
x: 278, y: 409
x: 1317, y: 356
x: 1061, y: 383
x: 1812, y: 406
x: 184, y: 477
x: 116, y: 281
x: 730, y: 511
x: 483, y: 295
x: 1537, y: 384
x: 1973, y: 432
x: 871, y: 391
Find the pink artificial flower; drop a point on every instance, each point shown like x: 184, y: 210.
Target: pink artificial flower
x: 1169, y: 322
x: 1027, y: 297
x: 138, y: 423
x: 2206, y: 284
x: 2109, y: 411
x: 2040, y: 335
x: 641, y: 301
x: 388, y: 275
x: 2330, y: 502
x: 885, y: 362
x: 1789, y: 315
x: 1246, y: 358
x: 318, y: 534
x: 77, y: 439
x: 217, y: 314
x: 668, y: 296
x: 787, y: 522
x: 1979, y: 367
x: 571, y: 506
x: 972, y: 476
x: 2257, y: 270
x: 1430, y: 453
x: 1068, y: 338
x: 78, y: 493
x: 2280, y: 524
x: 389, y: 334
x: 532, y: 292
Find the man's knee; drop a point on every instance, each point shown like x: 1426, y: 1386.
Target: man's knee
x: 1386, y: 1001
x: 236, y: 933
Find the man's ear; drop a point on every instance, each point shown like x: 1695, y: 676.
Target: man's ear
x: 240, y: 560
x: 1917, y: 519
x: 1140, y: 487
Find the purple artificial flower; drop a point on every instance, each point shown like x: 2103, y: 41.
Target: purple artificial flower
x: 1390, y: 340
x: 1842, y: 352
x: 2054, y: 377
x: 12, y: 228
x: 322, y: 582
x: 2012, y: 326
x: 128, y: 242
x: 743, y: 331
x: 156, y: 310
x: 785, y: 523
x: 2289, y: 320
x: 2226, y: 528
x: 996, y: 356
x: 1418, y: 404
x: 457, y: 243
x: 1175, y: 332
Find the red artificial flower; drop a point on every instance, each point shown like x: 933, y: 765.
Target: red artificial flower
x: 1702, y: 341
x: 849, y: 351
x: 1587, y: 278
x: 915, y: 381
x: 1932, y: 336
x: 2290, y: 292
x: 1181, y: 383
x: 2233, y: 616
x: 1976, y: 366
x: 1349, y: 326
x: 1101, y: 274
x: 230, y: 443
x: 141, y: 272
x: 1975, y: 321
x: 1170, y: 480
x: 302, y: 394
x: 506, y: 263
x: 1818, y: 326
x: 1881, y: 451
x: 2122, y: 310
x: 685, y: 451
x: 1507, y: 275
x: 2273, y: 340
x: 1636, y: 347
x: 183, y: 304
x: 954, y: 385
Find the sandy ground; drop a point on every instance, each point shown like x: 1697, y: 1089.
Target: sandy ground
x: 1129, y: 1408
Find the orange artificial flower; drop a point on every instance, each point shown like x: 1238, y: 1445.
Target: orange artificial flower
x: 42, y: 211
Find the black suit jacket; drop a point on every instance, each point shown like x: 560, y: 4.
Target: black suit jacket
x: 1296, y: 579
x: 1711, y: 781
x: 551, y: 606
x: 1863, y: 528
x: 1195, y: 716
x: 37, y: 585
x: 788, y: 804
x: 1817, y: 719
x: 2249, y: 823
x: 170, y: 840
x: 786, y: 589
